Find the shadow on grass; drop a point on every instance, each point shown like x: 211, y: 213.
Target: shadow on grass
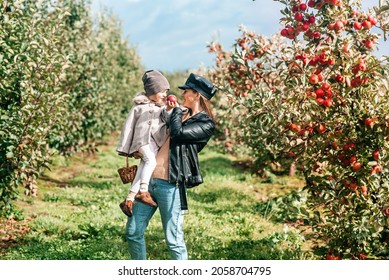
x: 227, y: 194
x: 98, y: 185
x: 221, y: 166
x: 236, y: 201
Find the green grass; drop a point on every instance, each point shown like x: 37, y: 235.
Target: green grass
x: 76, y: 215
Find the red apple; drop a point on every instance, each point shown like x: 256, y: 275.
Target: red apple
x: 353, y: 186
x: 305, y: 26
x: 328, y: 102
x: 332, y: 257
x: 316, y: 35
x: 357, y: 166
x: 313, y: 79
x: 291, y: 154
x: 321, y: 128
x: 357, y: 25
x: 329, y: 93
x: 339, y: 25
x: 314, y: 60
x: 352, y: 146
x: 340, y: 79
x: 365, y: 80
x: 331, y: 61
x: 325, y: 86
x: 364, y: 190
x: 319, y: 93
x: 290, y: 30
x: 356, y: 82
x: 228, y: 144
x: 376, y: 169
x: 353, y: 159
x: 369, y: 122
x: 369, y: 44
x: 362, y: 66
x: 366, y: 24
x: 372, y: 20
x: 172, y: 98
x: 320, y: 101
x: 295, y: 127
x: 376, y: 155
x: 298, y: 16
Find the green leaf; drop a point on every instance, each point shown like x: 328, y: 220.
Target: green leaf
x: 10, y: 155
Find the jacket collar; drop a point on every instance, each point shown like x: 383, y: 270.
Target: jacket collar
x: 141, y: 99
x: 201, y: 116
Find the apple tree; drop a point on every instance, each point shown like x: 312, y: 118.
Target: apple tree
x: 65, y: 84
x: 329, y: 112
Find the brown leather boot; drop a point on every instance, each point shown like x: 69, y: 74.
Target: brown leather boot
x: 146, y: 198
x: 126, y: 207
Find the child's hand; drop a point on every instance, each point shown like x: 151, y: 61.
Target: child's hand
x: 123, y: 154
x: 137, y: 155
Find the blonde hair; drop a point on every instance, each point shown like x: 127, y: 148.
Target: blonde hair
x: 206, y: 105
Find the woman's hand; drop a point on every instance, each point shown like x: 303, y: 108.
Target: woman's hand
x: 171, y: 105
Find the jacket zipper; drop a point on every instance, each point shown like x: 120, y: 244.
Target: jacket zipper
x: 178, y: 173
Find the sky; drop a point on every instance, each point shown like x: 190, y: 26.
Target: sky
x: 172, y: 35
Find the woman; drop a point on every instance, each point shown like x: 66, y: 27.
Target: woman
x: 177, y: 169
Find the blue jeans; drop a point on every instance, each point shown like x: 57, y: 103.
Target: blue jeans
x: 167, y: 197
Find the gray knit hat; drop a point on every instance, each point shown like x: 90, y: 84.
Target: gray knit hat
x: 154, y: 82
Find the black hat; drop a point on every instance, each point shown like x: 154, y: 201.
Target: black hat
x: 201, y: 85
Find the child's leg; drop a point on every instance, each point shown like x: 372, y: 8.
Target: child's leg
x: 127, y: 205
x: 149, y: 153
x: 136, y: 183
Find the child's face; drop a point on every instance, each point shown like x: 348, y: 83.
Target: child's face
x: 159, y: 97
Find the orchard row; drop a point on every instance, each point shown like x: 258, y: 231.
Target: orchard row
x: 65, y: 83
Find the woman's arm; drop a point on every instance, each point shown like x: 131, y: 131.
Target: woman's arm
x: 196, y: 132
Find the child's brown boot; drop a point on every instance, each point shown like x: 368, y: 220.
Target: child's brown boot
x: 146, y: 198
x: 126, y: 207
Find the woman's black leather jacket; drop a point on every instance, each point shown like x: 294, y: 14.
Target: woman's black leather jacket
x: 187, y: 139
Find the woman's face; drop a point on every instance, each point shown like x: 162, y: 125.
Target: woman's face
x: 159, y: 97
x: 189, y: 96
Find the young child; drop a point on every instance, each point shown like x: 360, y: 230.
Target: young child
x: 143, y: 134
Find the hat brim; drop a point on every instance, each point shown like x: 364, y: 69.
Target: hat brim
x: 184, y: 87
